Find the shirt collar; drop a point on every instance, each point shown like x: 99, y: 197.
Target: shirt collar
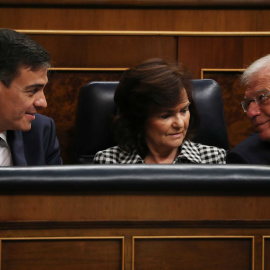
x: 189, y: 152
x: 3, y: 135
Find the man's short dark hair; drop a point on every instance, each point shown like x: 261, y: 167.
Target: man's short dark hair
x: 18, y: 50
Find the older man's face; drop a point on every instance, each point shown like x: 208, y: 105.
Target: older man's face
x: 259, y: 114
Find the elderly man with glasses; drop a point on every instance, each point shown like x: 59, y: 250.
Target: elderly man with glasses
x: 256, y: 104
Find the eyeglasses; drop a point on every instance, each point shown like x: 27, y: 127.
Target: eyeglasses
x: 262, y: 98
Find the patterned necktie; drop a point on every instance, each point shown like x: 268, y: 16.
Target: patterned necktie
x: 4, y: 154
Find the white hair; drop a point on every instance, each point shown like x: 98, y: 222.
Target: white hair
x: 254, y: 68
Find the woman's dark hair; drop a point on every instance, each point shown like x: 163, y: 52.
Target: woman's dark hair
x: 16, y: 51
x: 145, y: 89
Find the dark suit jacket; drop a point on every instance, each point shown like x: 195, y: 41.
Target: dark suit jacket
x: 250, y: 151
x: 38, y: 146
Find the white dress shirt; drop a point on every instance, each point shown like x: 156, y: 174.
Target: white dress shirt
x: 5, y: 154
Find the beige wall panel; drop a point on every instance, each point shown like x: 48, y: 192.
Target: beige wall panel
x: 166, y: 19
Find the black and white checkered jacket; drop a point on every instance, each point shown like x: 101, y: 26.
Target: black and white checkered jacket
x: 189, y: 153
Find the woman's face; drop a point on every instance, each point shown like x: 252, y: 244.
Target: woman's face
x: 166, y: 130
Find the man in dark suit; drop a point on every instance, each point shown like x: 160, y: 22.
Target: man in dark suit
x: 256, y: 104
x: 26, y: 137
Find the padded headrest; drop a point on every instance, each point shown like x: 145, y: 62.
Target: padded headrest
x: 133, y: 177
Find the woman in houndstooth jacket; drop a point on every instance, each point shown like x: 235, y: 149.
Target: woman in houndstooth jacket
x: 157, y: 118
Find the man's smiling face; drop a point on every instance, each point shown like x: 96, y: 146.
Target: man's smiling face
x: 20, y: 101
x: 259, y: 114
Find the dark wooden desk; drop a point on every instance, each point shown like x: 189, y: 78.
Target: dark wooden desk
x: 135, y: 227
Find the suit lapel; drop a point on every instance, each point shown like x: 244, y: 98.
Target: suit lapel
x: 15, y: 141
